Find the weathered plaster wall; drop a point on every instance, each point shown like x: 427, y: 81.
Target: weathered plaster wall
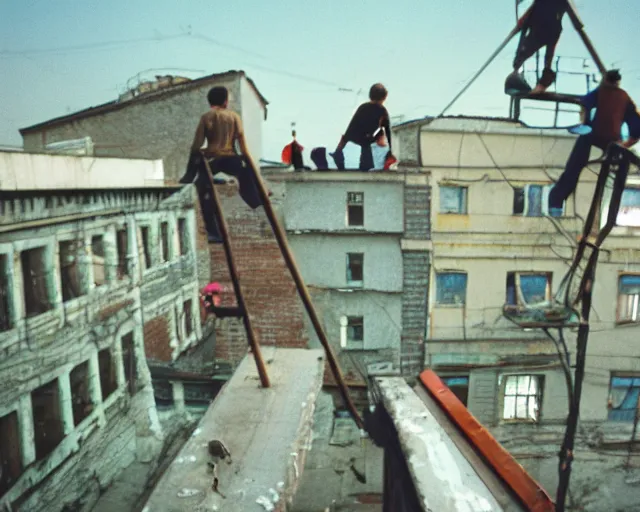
x: 23, y: 171
x: 322, y: 259
x: 322, y: 206
x: 123, y: 426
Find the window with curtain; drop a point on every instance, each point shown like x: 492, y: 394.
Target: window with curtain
x: 623, y: 398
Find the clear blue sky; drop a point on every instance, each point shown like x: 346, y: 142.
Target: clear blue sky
x: 423, y: 50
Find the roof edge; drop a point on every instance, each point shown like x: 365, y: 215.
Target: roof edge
x: 114, y: 105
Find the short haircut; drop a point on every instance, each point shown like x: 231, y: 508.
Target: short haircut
x: 217, y: 96
x: 378, y: 92
x: 613, y: 75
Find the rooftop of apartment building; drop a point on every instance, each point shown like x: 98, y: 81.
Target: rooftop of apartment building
x: 147, y: 91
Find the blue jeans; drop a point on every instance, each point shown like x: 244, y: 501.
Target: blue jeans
x: 567, y: 183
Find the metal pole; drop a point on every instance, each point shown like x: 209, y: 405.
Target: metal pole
x: 233, y: 272
x: 566, y: 451
x: 579, y: 26
x: 304, y: 293
x: 504, y: 43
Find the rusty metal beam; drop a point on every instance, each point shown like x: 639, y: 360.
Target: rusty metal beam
x: 554, y: 97
x: 233, y: 272
x: 510, y: 36
x: 304, y: 293
x: 579, y: 26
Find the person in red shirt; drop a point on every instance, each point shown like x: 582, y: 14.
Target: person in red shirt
x: 613, y: 107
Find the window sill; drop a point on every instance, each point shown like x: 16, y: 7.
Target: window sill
x: 354, y: 346
x: 458, y: 214
x: 449, y: 306
x: 519, y: 422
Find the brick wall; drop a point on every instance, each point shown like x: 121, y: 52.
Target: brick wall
x: 275, y: 309
x: 146, y: 128
x: 416, y: 213
x: 414, y: 311
x: 157, y: 338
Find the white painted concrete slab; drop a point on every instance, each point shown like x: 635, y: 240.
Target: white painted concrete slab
x: 443, y: 477
x: 37, y: 171
x: 267, y: 432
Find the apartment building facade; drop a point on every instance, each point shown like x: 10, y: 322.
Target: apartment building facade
x: 493, y: 247
x: 94, y: 281
x: 361, y: 241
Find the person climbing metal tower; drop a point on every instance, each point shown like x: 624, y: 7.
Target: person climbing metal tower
x: 613, y: 108
x: 541, y: 27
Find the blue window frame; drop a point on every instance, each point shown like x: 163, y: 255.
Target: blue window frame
x: 451, y: 288
x: 623, y: 398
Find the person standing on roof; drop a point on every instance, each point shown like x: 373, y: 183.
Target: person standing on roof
x: 541, y: 27
x: 221, y: 128
x: 369, y: 123
x: 613, y: 108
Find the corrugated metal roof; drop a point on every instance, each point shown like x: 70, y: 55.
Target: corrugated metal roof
x: 151, y: 96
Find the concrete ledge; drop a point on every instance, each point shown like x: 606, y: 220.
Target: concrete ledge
x: 408, y: 245
x: 445, y: 476
x: 267, y: 432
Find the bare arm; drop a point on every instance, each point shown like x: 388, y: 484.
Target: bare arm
x: 198, y: 139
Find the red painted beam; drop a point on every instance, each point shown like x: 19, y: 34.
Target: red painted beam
x: 530, y: 492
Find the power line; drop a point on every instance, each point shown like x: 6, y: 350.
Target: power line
x: 90, y: 46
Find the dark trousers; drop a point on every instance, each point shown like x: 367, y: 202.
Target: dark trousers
x: 366, y: 158
x: 577, y: 161
x: 533, y: 41
x: 235, y: 166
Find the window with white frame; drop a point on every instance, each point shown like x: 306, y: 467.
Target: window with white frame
x: 70, y: 276
x: 522, y: 397
x: 187, y: 307
x: 48, y: 427
x: 525, y: 288
x: 5, y: 297
x: 130, y: 363
x: 122, y: 249
x: 629, y: 211
x: 629, y: 298
x: 451, y: 288
x: 453, y: 199
x: 183, y: 236
x: 107, y: 368
x: 98, y: 260
x: 144, y: 247
x: 527, y: 201
x: 355, y: 269
x: 36, y: 269
x: 624, y: 393
x: 10, y: 451
x: 355, y: 209
x: 164, y: 242
x: 81, y: 402
x: 355, y: 332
